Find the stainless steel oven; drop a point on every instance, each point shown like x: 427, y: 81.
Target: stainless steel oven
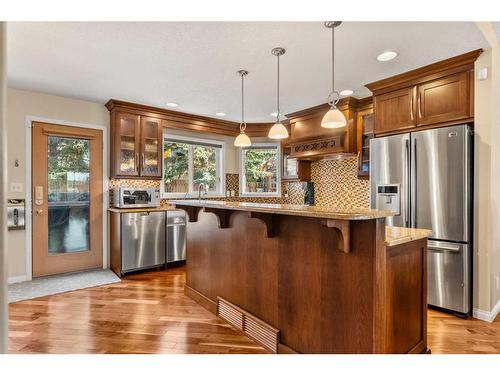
x: 125, y: 197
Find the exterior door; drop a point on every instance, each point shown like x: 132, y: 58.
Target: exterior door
x: 66, y: 198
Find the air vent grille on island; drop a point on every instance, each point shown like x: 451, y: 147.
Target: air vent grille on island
x: 255, y: 328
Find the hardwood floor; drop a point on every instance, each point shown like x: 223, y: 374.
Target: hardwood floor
x: 149, y: 313
x: 146, y: 313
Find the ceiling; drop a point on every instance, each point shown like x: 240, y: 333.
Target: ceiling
x: 195, y: 63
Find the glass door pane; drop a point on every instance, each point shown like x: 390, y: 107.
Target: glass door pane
x: 128, y: 151
x: 151, y: 147
x: 68, y: 195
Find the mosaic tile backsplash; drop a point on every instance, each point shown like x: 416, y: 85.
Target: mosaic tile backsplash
x: 335, y: 185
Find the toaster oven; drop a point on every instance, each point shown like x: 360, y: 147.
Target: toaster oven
x: 125, y: 197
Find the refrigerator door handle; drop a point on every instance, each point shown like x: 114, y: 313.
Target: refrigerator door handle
x: 448, y: 248
x: 407, y: 207
x: 413, y: 184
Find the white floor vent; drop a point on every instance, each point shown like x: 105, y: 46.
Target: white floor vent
x: 255, y: 328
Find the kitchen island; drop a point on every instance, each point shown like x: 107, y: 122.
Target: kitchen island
x: 301, y: 279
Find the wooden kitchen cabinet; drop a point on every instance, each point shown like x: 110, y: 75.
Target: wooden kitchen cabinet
x: 395, y: 110
x: 365, y: 133
x: 136, y: 143
x: 442, y: 100
x: 151, y: 146
x: 125, y: 144
x: 440, y: 94
x: 293, y: 169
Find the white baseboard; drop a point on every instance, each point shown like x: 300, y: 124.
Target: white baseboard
x: 487, y: 316
x: 16, y: 279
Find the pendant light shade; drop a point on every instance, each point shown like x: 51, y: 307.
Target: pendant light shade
x: 242, y: 140
x: 278, y: 130
x: 333, y: 119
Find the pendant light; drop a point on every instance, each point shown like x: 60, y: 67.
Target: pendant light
x: 278, y: 130
x: 242, y: 140
x: 333, y: 118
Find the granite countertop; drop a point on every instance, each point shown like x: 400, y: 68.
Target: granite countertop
x: 290, y: 209
x: 399, y: 235
x: 144, y: 209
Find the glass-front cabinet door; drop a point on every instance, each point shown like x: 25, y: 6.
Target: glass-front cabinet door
x: 126, y: 150
x: 151, y: 154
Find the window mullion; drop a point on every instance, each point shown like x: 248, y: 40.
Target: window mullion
x: 190, y: 168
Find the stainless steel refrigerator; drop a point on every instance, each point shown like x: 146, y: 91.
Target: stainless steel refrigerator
x: 425, y: 178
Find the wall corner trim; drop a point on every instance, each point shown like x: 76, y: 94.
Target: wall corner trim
x: 17, y: 279
x: 487, y: 316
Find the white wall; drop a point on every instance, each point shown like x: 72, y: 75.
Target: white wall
x: 487, y: 179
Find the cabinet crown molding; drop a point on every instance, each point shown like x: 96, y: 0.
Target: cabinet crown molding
x: 436, y: 70
x: 188, y: 121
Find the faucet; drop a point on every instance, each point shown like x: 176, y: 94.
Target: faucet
x: 200, y: 186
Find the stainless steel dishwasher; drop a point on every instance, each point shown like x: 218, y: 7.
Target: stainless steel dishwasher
x: 142, y: 240
x: 176, y: 236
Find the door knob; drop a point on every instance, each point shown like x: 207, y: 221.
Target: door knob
x: 39, y: 212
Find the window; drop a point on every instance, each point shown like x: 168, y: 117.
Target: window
x: 260, y: 170
x: 189, y: 162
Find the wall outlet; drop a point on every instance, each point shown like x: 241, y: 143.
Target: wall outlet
x: 16, y: 187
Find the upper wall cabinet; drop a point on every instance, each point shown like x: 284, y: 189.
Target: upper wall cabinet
x: 364, y: 124
x: 395, y: 110
x: 125, y: 148
x: 436, y: 95
x: 444, y: 99
x: 135, y: 146
x: 151, y: 147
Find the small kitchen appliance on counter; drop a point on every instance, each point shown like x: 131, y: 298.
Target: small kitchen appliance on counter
x: 309, y: 193
x: 126, y: 197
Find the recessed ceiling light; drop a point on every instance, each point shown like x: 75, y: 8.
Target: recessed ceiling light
x: 221, y: 114
x: 172, y: 104
x: 387, y: 55
x: 346, y: 92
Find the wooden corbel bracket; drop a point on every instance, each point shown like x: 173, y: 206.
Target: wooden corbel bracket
x: 191, y: 211
x: 223, y: 216
x: 268, y: 219
x: 342, y: 230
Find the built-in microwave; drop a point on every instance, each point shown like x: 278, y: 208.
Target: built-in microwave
x: 125, y: 197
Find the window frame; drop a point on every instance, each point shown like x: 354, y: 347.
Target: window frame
x: 277, y: 145
x: 220, y: 160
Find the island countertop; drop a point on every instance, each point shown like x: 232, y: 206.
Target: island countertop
x: 289, y: 209
x: 399, y: 235
x: 143, y: 209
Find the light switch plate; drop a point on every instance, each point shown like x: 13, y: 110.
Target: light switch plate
x: 482, y: 74
x: 16, y: 187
